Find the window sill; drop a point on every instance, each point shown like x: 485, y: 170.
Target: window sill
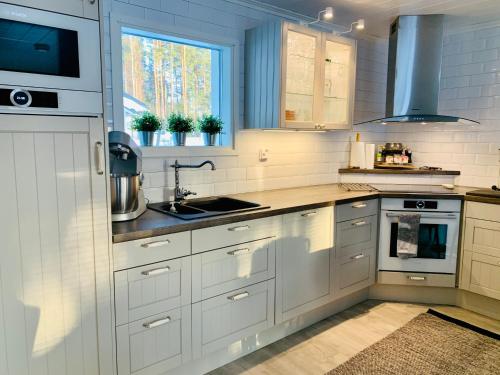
x: 169, y: 151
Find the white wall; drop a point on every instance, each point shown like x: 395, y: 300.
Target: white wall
x: 297, y: 159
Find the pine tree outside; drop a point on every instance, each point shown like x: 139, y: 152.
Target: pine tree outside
x: 164, y: 77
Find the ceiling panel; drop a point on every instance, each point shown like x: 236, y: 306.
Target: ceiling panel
x: 380, y: 13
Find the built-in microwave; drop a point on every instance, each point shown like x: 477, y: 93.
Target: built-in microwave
x: 49, y: 62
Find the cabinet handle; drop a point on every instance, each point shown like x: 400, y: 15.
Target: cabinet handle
x: 359, y: 223
x: 157, y: 323
x: 359, y: 205
x: 238, y: 296
x: 148, y: 245
x: 239, y: 229
x: 99, y: 157
x: 309, y: 214
x: 156, y: 271
x: 359, y: 256
x: 239, y: 251
x: 417, y: 278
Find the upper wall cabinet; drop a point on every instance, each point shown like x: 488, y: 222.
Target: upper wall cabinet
x: 80, y: 8
x: 298, y: 78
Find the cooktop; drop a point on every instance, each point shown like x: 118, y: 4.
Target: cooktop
x: 404, y: 188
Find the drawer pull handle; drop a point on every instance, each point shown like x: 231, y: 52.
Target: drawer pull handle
x: 157, y: 323
x: 309, y: 214
x: 359, y: 256
x: 417, y: 278
x: 359, y: 223
x: 359, y: 205
x: 239, y: 229
x: 238, y: 296
x: 156, y: 271
x: 155, y: 244
x: 239, y: 251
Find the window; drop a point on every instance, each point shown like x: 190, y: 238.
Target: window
x: 166, y: 74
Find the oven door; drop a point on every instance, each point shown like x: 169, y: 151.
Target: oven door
x: 48, y: 50
x: 437, y: 244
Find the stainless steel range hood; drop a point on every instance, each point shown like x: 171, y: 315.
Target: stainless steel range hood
x: 414, y: 71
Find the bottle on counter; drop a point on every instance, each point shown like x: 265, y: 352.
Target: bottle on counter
x: 380, y: 154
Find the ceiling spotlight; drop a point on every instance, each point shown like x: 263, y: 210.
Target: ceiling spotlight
x: 360, y: 24
x: 329, y: 13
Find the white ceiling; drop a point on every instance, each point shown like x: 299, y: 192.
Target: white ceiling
x: 380, y: 13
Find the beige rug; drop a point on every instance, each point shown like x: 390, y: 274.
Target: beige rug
x: 431, y: 343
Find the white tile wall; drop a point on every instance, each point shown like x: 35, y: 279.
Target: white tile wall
x: 470, y: 88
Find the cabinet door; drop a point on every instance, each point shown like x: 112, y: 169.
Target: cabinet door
x: 223, y: 320
x: 480, y: 271
x: 339, y: 74
x: 304, y: 263
x: 156, y: 344
x: 54, y: 290
x: 148, y: 290
x: 301, y: 75
x: 220, y: 271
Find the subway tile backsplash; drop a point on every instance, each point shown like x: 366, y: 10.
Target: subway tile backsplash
x: 470, y: 87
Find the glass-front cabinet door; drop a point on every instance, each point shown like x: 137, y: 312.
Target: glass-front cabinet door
x: 300, y: 95
x: 338, y: 80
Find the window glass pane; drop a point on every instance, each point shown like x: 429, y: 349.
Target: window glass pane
x: 165, y: 77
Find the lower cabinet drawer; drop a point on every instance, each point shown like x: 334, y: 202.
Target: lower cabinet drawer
x: 416, y: 279
x: 148, y: 290
x: 151, y: 250
x: 155, y: 344
x: 355, y: 235
x: 220, y: 271
x: 232, y: 234
x: 223, y: 320
x: 355, y: 272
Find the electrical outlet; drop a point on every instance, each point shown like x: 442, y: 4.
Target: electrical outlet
x: 263, y: 154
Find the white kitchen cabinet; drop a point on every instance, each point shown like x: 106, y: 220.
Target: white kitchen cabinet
x: 480, y: 268
x: 304, y: 263
x: 55, y: 293
x: 151, y: 289
x: 80, y: 8
x: 225, y: 319
x: 220, y: 271
x: 298, y: 78
x: 156, y: 344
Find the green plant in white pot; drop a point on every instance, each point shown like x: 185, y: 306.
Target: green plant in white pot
x: 146, y: 124
x: 179, y: 125
x: 210, y: 127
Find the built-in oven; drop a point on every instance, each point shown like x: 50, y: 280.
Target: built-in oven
x: 437, y: 235
x: 49, y: 62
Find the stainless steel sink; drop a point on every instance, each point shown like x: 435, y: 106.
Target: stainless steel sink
x: 205, y: 207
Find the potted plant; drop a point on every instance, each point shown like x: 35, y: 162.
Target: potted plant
x: 210, y: 126
x: 179, y: 125
x: 146, y: 124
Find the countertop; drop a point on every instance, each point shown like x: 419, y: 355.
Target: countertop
x: 281, y: 201
x: 400, y: 171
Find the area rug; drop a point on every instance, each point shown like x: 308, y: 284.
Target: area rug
x: 431, y: 343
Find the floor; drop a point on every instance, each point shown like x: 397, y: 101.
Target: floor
x: 328, y: 343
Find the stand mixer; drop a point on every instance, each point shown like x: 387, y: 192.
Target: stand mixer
x: 127, y: 196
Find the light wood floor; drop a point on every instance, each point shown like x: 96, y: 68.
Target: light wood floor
x: 327, y: 344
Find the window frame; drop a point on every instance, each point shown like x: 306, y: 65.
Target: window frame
x: 229, y: 54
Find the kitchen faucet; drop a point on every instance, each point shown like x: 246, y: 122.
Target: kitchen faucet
x: 181, y: 193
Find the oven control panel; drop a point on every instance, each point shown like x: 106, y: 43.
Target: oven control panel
x: 421, y: 205
x: 28, y: 98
